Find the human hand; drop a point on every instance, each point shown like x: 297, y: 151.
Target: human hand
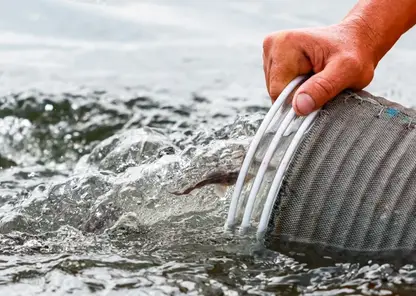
x: 339, y: 57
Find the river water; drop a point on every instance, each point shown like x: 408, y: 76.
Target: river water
x: 106, y: 107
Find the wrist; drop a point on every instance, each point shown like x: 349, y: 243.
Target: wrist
x: 366, y: 40
x: 378, y: 24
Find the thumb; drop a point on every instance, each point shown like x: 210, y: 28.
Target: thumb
x: 320, y: 88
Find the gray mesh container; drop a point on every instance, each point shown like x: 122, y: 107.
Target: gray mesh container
x: 351, y: 185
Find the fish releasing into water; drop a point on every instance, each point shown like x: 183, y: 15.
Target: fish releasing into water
x: 222, y: 178
x: 225, y: 176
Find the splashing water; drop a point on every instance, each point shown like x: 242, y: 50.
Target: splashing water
x: 96, y: 215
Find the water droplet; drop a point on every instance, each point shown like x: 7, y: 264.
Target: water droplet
x: 48, y: 107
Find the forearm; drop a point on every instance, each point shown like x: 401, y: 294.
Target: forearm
x: 382, y: 22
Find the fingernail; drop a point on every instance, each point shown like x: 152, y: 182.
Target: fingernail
x: 304, y: 103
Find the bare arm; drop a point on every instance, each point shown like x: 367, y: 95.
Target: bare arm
x: 340, y: 56
x: 382, y: 22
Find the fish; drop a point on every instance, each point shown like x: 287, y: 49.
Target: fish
x: 221, y: 178
x: 225, y: 177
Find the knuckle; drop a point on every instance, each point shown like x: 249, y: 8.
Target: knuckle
x: 363, y: 72
x: 268, y: 42
x: 354, y: 62
x: 275, y: 90
x: 286, y: 37
x: 324, y: 86
x: 278, y: 38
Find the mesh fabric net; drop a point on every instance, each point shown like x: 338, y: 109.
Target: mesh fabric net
x: 352, y: 182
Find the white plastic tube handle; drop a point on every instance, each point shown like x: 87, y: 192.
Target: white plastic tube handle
x: 252, y: 149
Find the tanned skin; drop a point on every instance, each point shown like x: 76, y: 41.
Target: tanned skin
x: 339, y: 56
